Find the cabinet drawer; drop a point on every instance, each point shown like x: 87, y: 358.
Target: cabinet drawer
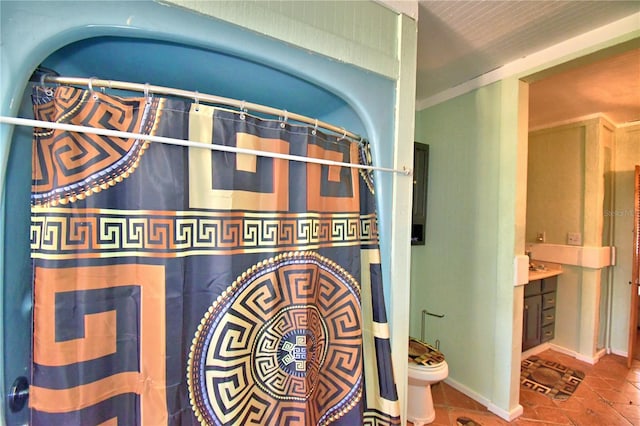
x: 533, y: 287
x: 547, y: 333
x: 549, y: 284
x: 548, y: 300
x: 548, y: 316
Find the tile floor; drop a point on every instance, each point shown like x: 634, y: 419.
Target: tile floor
x: 609, y: 395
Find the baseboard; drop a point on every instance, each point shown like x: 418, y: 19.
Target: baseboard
x: 534, y: 351
x: 591, y: 359
x: 504, y: 414
x: 580, y: 357
x: 618, y: 352
x: 465, y: 390
x: 518, y: 410
x: 563, y: 350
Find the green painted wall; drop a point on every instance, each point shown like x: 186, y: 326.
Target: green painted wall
x: 555, y: 190
x: 464, y: 270
x: 356, y: 32
x: 627, y: 156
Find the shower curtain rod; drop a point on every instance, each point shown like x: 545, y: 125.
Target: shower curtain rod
x: 197, y: 144
x: 149, y: 89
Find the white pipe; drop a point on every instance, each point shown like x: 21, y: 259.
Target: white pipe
x: 161, y: 139
x: 198, y: 97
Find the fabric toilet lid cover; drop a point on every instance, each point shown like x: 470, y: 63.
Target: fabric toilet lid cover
x: 423, y: 353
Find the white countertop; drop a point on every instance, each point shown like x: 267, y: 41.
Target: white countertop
x: 538, y: 275
x: 546, y: 270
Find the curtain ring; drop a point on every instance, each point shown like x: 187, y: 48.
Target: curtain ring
x: 284, y: 121
x: 315, y: 128
x: 146, y: 93
x: 242, y: 110
x: 90, y: 84
x: 197, y: 101
x: 47, y: 90
x: 344, y: 134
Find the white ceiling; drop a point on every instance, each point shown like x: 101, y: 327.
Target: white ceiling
x: 461, y: 40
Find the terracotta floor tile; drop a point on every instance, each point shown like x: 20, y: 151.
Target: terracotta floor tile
x: 484, y: 418
x: 594, y: 418
x: 575, y: 403
x: 609, y: 395
x: 596, y: 382
x: 442, y: 416
x: 623, y: 395
x: 534, y: 399
x: 457, y: 399
x: 437, y: 393
x: 527, y: 422
x: 629, y: 412
x: 633, y: 375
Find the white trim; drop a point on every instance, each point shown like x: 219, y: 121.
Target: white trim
x: 468, y: 392
x: 507, y: 415
x: 520, y: 270
x: 562, y: 350
x: 560, y: 51
x: 591, y: 359
x: 629, y: 124
x: 535, y: 350
x: 580, y: 357
x: 578, y: 120
x: 584, y: 256
x: 618, y: 352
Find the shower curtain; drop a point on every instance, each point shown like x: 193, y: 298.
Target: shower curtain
x: 179, y: 285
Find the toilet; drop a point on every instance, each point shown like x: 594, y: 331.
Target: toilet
x: 426, y: 367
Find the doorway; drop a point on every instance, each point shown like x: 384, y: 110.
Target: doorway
x: 553, y: 98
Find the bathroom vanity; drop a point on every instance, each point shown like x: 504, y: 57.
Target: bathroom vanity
x: 539, y: 311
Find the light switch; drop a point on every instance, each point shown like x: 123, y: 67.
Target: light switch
x: 574, y: 238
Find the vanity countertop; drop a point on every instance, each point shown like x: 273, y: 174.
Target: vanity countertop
x: 538, y: 275
x: 546, y: 270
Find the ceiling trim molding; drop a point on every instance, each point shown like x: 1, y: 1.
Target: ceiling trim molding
x: 629, y: 124
x: 575, y: 120
x: 562, y: 52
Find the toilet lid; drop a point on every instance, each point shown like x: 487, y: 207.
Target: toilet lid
x: 423, y: 353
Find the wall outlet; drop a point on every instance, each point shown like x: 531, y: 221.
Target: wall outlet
x: 574, y: 238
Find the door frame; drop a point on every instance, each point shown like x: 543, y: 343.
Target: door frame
x: 635, y: 271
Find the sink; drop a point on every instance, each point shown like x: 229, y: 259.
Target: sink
x: 533, y: 267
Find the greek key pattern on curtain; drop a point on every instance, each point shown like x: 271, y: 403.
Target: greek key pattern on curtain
x: 179, y: 285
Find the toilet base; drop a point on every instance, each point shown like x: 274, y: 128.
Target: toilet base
x: 420, y: 409
x: 422, y: 422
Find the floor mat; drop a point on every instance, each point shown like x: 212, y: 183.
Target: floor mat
x: 466, y: 421
x: 550, y: 378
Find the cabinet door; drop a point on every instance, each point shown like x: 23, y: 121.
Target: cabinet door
x: 420, y: 178
x: 531, y: 326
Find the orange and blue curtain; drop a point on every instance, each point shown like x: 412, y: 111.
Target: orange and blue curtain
x: 183, y: 286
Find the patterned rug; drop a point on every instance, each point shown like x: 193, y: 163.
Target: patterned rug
x: 466, y: 421
x: 549, y: 378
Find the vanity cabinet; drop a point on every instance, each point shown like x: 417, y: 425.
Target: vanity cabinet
x: 539, y: 313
